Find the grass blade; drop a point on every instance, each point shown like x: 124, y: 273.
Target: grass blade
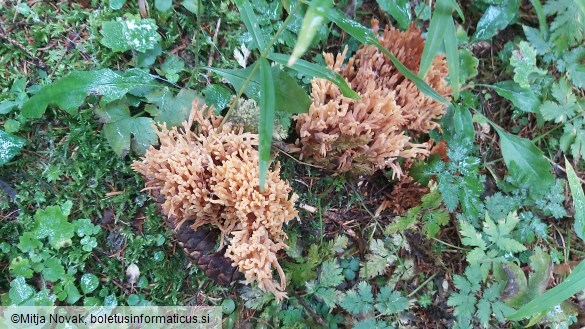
x: 452, y: 53
x: 266, y: 119
x: 314, y: 18
x: 435, y: 36
x: 318, y: 71
x: 578, y: 200
x: 251, y: 22
x: 366, y: 36
x: 574, y: 283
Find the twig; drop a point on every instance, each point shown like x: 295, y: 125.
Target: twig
x: 563, y: 169
x: 212, y: 51
x: 282, y: 150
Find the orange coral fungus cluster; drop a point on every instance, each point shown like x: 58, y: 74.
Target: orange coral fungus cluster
x: 209, y: 174
x: 343, y: 134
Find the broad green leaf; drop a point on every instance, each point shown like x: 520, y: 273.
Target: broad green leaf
x: 266, y: 126
x: 289, y: 96
x: 436, y: 34
x: 10, y: 146
x: 399, y: 10
x: 89, y: 282
x: 53, y: 270
x: 191, y: 5
x: 578, y: 200
x: 319, y: 71
x: 117, y: 4
x: 366, y: 36
x: 73, y: 294
x: 52, y: 223
x: 21, y: 267
x: 452, y: 53
x: 136, y: 34
x: 573, y: 284
x: 20, y: 291
x: 251, y: 21
x: 458, y: 122
x: 7, y: 106
x: 530, y: 162
x: 163, y: 5
x: 523, y: 98
x: 218, y: 96
x: 495, y: 19
x: 69, y: 92
x: 125, y: 132
x: 471, y: 237
x: 313, y: 20
x: 172, y: 110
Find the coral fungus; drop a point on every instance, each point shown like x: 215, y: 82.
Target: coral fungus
x: 342, y: 134
x: 209, y: 175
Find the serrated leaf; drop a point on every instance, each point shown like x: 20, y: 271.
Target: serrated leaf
x: 578, y: 200
x: 329, y: 296
x: 366, y: 36
x: 390, y: 302
x: 495, y: 19
x: 125, y: 132
x: 358, y: 300
x: 524, y: 62
x: 399, y: 10
x: 318, y: 71
x: 529, y: 160
x: 331, y: 275
x: 52, y: 223
x: 470, y: 236
x: 266, y: 125
x: 172, y: 110
x: 484, y: 312
x: 69, y: 92
x: 289, y: 96
x: 576, y: 66
x: 375, y: 265
x: 10, y: 146
x: 463, y: 303
x: 522, y: 98
x: 136, y: 34
x: 511, y: 245
x: 53, y: 270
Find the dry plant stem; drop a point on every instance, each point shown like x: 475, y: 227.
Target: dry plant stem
x: 316, y: 316
x: 563, y: 169
x: 263, y: 54
x: 212, y: 51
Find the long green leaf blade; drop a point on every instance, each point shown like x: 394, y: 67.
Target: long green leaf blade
x: 314, y: 70
x: 251, y: 22
x: 436, y: 34
x: 366, y: 36
x: 452, y: 53
x: 578, y: 200
x: 266, y: 119
x: 314, y: 18
x: 574, y: 283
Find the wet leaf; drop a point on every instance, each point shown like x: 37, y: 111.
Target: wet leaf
x: 117, y: 4
x: 69, y: 92
x: 89, y: 282
x: 10, y: 146
x: 495, y: 19
x: 52, y: 223
x: 523, y: 98
x: 125, y: 132
x: 578, y: 200
x: 163, y: 5
x: 251, y: 21
x: 20, y: 291
x: 440, y: 21
x: 172, y: 110
x: 137, y: 34
x: 218, y: 96
x: 452, y: 54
